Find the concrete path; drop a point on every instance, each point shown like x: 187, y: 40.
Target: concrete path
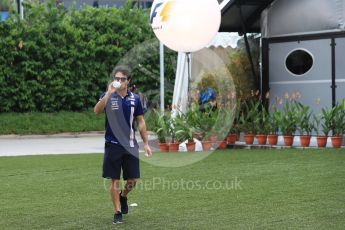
x: 15, y: 145
x: 66, y: 143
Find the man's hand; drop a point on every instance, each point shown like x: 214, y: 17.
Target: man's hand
x: 144, y: 136
x: 99, y: 107
x: 111, y: 89
x: 148, y: 151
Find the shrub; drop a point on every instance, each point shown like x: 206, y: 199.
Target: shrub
x: 58, y: 59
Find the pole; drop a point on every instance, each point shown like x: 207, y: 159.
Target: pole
x: 189, y: 76
x: 21, y: 9
x: 244, y: 30
x: 161, y: 61
x: 333, y: 86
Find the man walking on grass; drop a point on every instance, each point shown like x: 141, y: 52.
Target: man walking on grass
x: 121, y: 148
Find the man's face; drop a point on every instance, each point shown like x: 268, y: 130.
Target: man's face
x: 123, y: 79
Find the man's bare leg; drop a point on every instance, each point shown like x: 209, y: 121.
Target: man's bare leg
x: 114, y: 192
x: 130, y: 184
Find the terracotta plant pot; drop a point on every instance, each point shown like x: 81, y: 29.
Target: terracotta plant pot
x: 190, y: 146
x: 262, y: 139
x: 249, y: 138
x: 173, y: 147
x: 321, y: 141
x: 206, y: 145
x: 336, y: 141
x: 305, y: 140
x: 288, y: 140
x: 163, y: 147
x: 222, y: 144
x: 272, y: 139
x: 231, y: 139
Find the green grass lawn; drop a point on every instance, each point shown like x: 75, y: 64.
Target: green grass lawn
x: 234, y: 189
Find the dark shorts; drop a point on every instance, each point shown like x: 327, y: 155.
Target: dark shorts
x: 117, y: 157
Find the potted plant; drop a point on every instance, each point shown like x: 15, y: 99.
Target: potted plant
x: 205, y: 122
x: 288, y: 122
x: 322, y: 121
x: 247, y: 128
x: 273, y: 127
x: 305, y: 124
x: 247, y: 121
x: 222, y: 126
x: 185, y: 127
x: 174, y: 144
x: 338, y: 126
x: 261, y: 122
x: 161, y: 128
x: 234, y: 129
x: 232, y: 135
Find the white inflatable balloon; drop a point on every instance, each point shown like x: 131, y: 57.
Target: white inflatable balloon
x: 185, y: 25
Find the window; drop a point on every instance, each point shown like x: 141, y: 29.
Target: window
x: 299, y: 62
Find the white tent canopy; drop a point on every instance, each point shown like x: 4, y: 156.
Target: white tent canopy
x: 180, y: 96
x: 211, y: 60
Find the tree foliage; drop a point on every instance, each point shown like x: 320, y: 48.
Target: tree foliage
x: 60, y: 59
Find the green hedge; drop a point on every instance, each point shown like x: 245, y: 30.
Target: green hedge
x: 58, y: 59
x: 50, y: 123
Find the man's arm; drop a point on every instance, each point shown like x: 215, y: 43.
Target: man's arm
x: 143, y: 134
x: 99, y: 107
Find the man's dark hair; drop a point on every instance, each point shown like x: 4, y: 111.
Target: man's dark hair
x: 122, y: 69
